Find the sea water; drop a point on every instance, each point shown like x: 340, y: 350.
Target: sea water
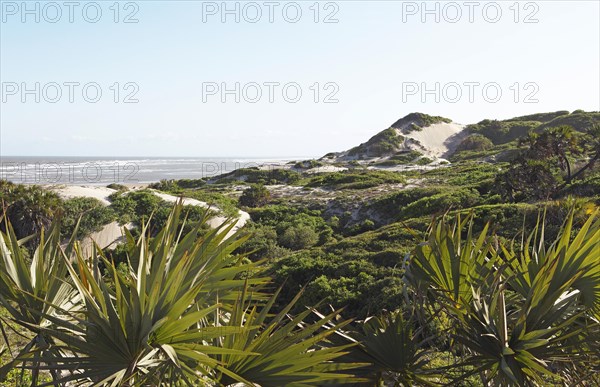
x: 122, y: 170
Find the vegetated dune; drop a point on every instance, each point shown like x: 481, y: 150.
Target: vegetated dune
x: 213, y: 222
x: 112, y: 233
x: 431, y: 137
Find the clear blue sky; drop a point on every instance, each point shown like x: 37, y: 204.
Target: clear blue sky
x: 370, y: 53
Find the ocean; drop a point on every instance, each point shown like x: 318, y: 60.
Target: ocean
x: 122, y: 170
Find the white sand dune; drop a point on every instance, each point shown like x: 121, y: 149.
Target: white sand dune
x: 112, y: 232
x: 110, y: 235
x: 439, y: 139
x: 213, y: 222
x: 79, y: 191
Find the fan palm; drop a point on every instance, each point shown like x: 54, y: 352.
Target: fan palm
x: 528, y: 318
x: 185, y: 312
x: 32, y: 291
x: 393, y: 348
x: 288, y: 347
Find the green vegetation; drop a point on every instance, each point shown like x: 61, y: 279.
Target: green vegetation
x: 354, y: 179
x: 30, y: 208
x: 384, y: 143
x: 308, y: 164
x: 400, y: 158
x: 179, y: 330
x: 265, y: 176
x: 418, y: 121
x: 255, y: 196
x: 475, y: 142
x: 547, y: 165
x: 278, y: 229
x: 197, y: 312
x: 88, y: 214
x: 501, y: 132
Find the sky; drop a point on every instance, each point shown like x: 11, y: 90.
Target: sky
x: 278, y: 79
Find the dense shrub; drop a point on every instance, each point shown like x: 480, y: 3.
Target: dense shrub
x: 475, y: 142
x: 383, y: 143
x: 255, y: 196
x: 355, y: 180
x: 501, y: 132
x: 29, y: 208
x: 90, y: 212
x: 268, y: 176
x: 298, y: 237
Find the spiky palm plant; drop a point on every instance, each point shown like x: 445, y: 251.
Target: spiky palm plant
x: 528, y: 317
x: 394, y: 349
x: 32, y: 292
x: 181, y: 314
x: 288, y: 348
x: 450, y: 263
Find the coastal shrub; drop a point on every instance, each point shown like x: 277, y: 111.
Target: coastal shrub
x: 390, y: 204
x: 117, y: 187
x: 440, y: 203
x: 226, y: 203
x: 298, y: 237
x: 475, y: 142
x: 361, y: 273
x: 262, y: 243
x: 383, y: 143
x: 417, y: 121
x: 191, y: 183
x: 424, y: 161
x: 169, y: 185
x: 255, y: 175
x: 29, y: 208
x: 420, y: 202
x: 308, y: 164
x: 90, y: 213
x: 501, y: 132
x: 277, y: 229
x: 355, y: 179
x: 579, y: 120
x: 140, y: 206
x: 255, y: 196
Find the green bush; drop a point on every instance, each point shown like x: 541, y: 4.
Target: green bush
x: 298, y: 237
x: 255, y: 196
x: 269, y: 176
x: 92, y: 212
x: 475, y: 142
x: 501, y: 132
x: 355, y: 180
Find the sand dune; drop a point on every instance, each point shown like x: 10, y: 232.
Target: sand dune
x: 213, y: 222
x: 113, y: 232
x: 439, y: 139
x: 79, y: 191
